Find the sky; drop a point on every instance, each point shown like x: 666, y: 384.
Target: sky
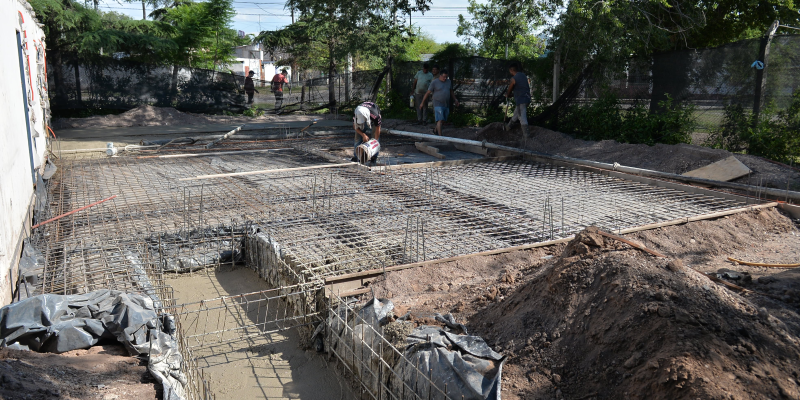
x: 253, y: 16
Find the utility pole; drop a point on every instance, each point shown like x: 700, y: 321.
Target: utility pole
x: 761, y: 70
x: 292, y: 14
x: 144, y: 12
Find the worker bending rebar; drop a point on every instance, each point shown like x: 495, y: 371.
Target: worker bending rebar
x: 367, y: 116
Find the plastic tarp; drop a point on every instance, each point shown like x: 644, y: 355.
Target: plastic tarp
x: 464, y: 365
x: 60, y: 323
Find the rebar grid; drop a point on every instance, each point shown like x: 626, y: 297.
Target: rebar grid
x: 235, y: 318
x: 196, y: 387
x: 82, y: 266
x: 373, y: 361
x: 150, y: 197
x: 354, y: 221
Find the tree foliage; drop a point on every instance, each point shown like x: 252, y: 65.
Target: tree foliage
x: 185, y: 33
x: 328, y: 31
x: 493, y: 25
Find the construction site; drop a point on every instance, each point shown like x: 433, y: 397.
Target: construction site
x: 290, y: 272
x: 162, y: 254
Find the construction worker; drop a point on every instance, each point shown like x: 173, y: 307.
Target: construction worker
x: 422, y: 80
x: 250, y: 87
x: 277, y: 89
x: 367, y: 116
x: 522, y: 97
x: 440, y: 90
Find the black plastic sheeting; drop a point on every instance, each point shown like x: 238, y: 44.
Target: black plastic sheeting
x: 463, y: 364
x: 60, y: 323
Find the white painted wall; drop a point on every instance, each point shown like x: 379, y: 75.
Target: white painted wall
x: 16, y: 184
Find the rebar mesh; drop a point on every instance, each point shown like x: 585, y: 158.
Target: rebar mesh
x: 301, y: 226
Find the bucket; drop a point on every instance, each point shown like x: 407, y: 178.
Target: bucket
x: 368, y: 150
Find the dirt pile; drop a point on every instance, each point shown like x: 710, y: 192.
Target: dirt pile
x: 676, y: 159
x: 607, y: 321
x: 101, y: 372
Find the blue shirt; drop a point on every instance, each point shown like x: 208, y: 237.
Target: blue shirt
x: 522, y: 91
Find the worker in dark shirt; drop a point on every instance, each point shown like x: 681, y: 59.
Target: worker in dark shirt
x: 250, y: 87
x: 521, y: 90
x: 367, y: 116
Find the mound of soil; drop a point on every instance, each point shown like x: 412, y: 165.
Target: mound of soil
x: 676, y: 159
x: 607, y: 321
x: 101, y: 372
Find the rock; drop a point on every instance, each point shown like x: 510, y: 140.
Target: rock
x: 675, y: 266
x: 556, y: 378
x: 652, y: 364
x: 766, y: 280
x: 633, y: 360
x: 491, y: 293
x: 664, y: 311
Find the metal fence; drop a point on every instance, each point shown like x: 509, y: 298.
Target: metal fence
x: 708, y: 79
x: 77, y: 84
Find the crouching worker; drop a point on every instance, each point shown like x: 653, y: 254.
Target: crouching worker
x: 367, y: 117
x: 522, y: 96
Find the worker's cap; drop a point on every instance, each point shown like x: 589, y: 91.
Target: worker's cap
x: 251, y: 73
x: 362, y: 115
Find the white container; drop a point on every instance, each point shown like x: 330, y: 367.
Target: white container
x: 368, y: 150
x: 411, y: 101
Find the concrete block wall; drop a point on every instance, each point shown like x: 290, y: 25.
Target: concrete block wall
x: 23, y: 138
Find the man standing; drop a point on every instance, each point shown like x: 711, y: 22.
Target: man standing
x: 522, y: 97
x: 277, y: 89
x: 441, y: 90
x: 367, y: 116
x: 422, y: 80
x: 250, y: 87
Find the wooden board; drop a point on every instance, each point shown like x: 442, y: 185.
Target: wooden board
x: 722, y: 170
x: 427, y: 148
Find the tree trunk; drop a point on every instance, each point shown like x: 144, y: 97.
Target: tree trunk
x: 78, y: 91
x: 331, y: 83
x: 58, y: 76
x: 173, y: 90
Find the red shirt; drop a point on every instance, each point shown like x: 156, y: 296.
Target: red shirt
x: 281, y: 79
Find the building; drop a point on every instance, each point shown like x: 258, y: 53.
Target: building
x: 248, y: 58
x: 23, y: 133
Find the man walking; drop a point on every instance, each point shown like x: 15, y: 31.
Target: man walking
x: 277, y: 89
x: 250, y: 87
x: 367, y: 116
x: 522, y: 97
x: 441, y: 90
x: 422, y: 80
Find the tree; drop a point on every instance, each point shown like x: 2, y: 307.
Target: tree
x: 498, y: 31
x: 328, y: 31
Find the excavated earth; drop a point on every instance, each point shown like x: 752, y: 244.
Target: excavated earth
x: 598, y: 319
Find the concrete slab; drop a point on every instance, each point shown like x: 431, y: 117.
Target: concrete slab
x: 722, y: 170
